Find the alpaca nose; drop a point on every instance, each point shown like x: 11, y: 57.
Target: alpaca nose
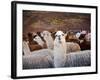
x: 59, y: 38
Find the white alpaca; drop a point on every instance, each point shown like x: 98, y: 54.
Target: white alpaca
x: 48, y: 38
x: 39, y: 41
x: 59, y: 49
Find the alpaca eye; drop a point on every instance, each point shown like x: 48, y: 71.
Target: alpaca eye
x: 62, y: 34
x: 47, y: 34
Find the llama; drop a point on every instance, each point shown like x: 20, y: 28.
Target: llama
x: 48, y: 38
x: 59, y: 50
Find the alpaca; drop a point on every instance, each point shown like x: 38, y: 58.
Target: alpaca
x: 77, y: 59
x: 72, y: 47
x: 78, y: 35
x: 37, y: 61
x: 85, y: 41
x: 39, y: 40
x: 74, y: 59
x: 59, y: 50
x: 33, y: 45
x: 50, y: 44
x: 27, y: 51
x: 88, y: 37
x: 71, y: 37
x: 82, y: 34
x: 48, y: 38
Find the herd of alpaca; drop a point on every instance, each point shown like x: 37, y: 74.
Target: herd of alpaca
x: 55, y: 52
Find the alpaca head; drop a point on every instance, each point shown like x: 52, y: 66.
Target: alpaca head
x: 60, y: 37
x: 37, y: 38
x: 88, y: 37
x: 78, y: 34
x: 83, y: 32
x: 45, y: 34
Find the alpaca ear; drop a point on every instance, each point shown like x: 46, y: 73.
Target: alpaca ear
x: 27, y: 42
x: 38, y: 33
x: 41, y: 34
x: 34, y: 39
x: 50, y: 33
x: 65, y: 34
x: 53, y: 33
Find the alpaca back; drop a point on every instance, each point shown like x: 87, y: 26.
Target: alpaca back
x: 72, y: 47
x: 77, y: 59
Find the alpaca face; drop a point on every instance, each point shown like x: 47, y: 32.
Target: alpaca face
x: 37, y: 38
x: 45, y: 34
x: 60, y: 37
x: 88, y: 37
